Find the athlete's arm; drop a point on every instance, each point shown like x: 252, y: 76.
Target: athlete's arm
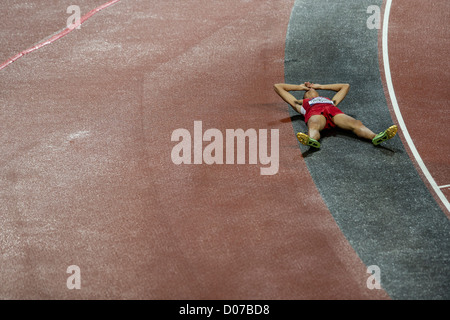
x: 282, y: 89
x: 341, y: 88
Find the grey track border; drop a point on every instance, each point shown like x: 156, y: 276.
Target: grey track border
x: 375, y: 194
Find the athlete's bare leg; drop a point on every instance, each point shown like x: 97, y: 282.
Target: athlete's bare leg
x: 316, y: 124
x: 346, y: 122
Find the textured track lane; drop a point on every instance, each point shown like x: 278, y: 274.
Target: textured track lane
x: 58, y: 35
x: 375, y: 194
x: 87, y: 178
x: 416, y: 99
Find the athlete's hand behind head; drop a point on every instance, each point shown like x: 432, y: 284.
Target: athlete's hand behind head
x: 312, y: 85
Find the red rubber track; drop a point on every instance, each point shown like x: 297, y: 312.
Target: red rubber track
x: 418, y: 54
x: 58, y: 35
x: 87, y: 178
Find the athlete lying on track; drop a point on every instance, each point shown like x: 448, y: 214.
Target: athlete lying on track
x: 322, y: 113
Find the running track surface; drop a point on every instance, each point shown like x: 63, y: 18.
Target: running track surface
x: 87, y: 178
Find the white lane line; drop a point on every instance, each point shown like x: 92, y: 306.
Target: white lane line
x: 387, y: 72
x: 446, y: 186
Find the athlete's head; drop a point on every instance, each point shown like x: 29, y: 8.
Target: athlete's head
x: 311, y: 93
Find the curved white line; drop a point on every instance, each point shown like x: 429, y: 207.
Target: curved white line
x: 387, y: 72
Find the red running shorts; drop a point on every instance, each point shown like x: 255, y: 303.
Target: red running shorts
x: 327, y: 111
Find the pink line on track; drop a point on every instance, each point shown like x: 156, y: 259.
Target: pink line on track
x: 59, y: 35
